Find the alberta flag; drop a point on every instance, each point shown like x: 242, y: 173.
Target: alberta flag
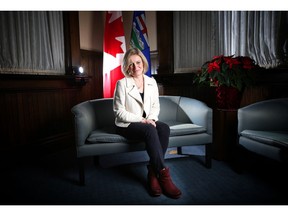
x: 139, y: 36
x: 113, y: 52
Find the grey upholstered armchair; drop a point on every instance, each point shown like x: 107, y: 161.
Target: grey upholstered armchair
x: 190, y: 121
x: 263, y: 128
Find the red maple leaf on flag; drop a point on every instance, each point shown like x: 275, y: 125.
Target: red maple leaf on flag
x: 112, y: 34
x: 113, y: 51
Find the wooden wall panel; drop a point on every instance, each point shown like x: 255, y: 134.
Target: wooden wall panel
x: 27, y: 117
x: 165, y: 42
x: 93, y: 63
x: 35, y: 111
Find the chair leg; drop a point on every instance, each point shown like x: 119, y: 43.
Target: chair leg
x: 81, y: 171
x: 208, y: 155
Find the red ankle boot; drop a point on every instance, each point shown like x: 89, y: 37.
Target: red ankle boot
x: 167, y: 185
x: 153, y: 183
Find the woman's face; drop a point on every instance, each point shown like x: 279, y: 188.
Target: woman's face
x: 135, y: 65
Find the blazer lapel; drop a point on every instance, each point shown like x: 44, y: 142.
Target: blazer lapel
x: 147, y: 88
x: 148, y: 91
x: 132, y: 89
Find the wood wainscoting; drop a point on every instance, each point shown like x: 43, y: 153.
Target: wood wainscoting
x: 35, y: 111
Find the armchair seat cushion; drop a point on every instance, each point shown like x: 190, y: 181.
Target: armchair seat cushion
x: 102, y: 136
x: 180, y: 129
x: 109, y: 135
x: 274, y: 138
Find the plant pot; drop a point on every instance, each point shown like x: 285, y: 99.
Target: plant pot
x: 228, y: 98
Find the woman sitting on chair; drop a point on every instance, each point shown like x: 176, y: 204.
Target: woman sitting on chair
x: 136, y: 107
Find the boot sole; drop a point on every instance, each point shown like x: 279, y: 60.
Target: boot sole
x: 154, y: 194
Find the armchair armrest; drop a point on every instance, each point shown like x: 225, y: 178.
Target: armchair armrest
x: 84, y: 121
x: 198, y: 112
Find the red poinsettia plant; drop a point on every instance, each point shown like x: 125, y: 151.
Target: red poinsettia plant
x: 227, y: 70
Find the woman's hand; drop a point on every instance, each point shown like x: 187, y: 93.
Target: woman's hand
x: 149, y: 121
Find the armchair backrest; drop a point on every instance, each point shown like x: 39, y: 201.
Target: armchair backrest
x: 170, y: 111
x: 270, y: 115
x: 98, y: 113
x: 104, y: 115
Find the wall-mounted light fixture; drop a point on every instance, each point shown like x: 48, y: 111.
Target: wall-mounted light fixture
x: 78, y: 70
x: 80, y: 78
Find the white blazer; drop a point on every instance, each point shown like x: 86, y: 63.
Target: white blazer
x: 128, y: 105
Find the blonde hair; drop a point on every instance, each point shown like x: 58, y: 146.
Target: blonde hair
x: 128, y: 54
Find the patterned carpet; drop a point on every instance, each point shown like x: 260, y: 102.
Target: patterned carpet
x: 52, y: 180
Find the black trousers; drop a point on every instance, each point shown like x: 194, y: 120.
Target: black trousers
x: 155, y: 138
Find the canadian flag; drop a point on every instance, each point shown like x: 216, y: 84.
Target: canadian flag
x: 113, y: 51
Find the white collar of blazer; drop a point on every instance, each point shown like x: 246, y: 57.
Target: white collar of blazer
x: 133, y: 90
